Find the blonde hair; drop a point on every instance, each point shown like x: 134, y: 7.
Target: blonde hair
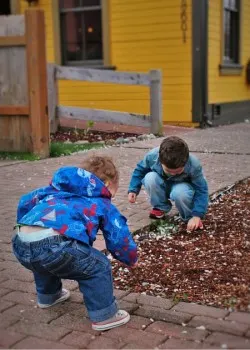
x: 102, y: 167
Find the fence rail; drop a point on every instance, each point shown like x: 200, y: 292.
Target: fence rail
x: 100, y: 115
x: 102, y: 76
x: 153, y: 80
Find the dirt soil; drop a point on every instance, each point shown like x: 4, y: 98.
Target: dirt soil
x: 210, y: 266
x: 75, y: 135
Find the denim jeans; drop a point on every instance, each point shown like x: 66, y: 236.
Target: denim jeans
x: 160, y: 191
x: 57, y: 257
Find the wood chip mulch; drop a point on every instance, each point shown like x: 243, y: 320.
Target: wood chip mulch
x: 210, y: 266
x: 72, y: 135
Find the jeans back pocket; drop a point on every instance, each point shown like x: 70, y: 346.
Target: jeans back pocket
x: 72, y: 261
x: 59, y: 265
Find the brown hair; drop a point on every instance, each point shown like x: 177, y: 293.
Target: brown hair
x: 173, y: 152
x: 102, y: 167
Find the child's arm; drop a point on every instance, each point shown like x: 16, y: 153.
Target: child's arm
x: 141, y: 169
x: 201, y: 196
x: 118, y: 238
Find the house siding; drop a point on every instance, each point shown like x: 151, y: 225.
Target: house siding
x: 47, y: 7
x: 144, y: 35
x: 229, y: 88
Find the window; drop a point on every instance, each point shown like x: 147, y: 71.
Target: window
x: 231, y: 31
x: 81, y: 32
x: 5, y: 8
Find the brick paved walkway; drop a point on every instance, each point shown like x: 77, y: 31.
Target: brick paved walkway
x: 156, y: 322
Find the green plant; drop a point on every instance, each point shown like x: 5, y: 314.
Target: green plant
x: 18, y: 156
x: 58, y: 149
x: 90, y: 124
x: 166, y: 228
x: 231, y: 302
x: 176, y: 297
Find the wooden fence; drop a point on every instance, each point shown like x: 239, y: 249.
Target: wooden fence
x: 24, y: 124
x: 29, y: 93
x: 153, y: 80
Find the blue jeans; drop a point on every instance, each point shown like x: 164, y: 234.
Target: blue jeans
x: 160, y: 191
x: 57, y: 257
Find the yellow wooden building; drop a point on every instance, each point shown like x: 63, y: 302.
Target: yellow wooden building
x: 201, y: 46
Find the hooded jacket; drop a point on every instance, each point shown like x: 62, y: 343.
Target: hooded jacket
x: 192, y: 174
x: 77, y: 204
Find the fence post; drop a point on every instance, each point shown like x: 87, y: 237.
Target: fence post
x: 155, y: 102
x: 37, y: 81
x: 52, y: 97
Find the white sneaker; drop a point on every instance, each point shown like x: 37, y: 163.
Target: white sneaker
x: 119, y: 319
x: 65, y: 294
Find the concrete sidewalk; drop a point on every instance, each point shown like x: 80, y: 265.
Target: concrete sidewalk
x: 225, y: 155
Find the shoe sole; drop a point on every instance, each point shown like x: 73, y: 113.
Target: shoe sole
x: 111, y: 325
x: 60, y: 300
x: 156, y: 217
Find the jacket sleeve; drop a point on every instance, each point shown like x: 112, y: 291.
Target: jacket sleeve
x: 118, y: 238
x: 201, y: 196
x: 141, y: 169
x: 28, y: 201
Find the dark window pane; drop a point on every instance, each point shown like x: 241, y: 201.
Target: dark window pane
x: 227, y: 34
x: 93, y: 34
x: 234, y: 37
x: 90, y: 3
x: 5, y: 8
x: 81, y: 31
x: 72, y: 36
x: 67, y: 4
x: 231, y: 32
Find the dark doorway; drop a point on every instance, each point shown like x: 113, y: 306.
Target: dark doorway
x: 5, y: 7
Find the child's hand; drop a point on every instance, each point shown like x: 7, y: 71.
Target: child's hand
x: 194, y: 223
x: 132, y: 197
x: 134, y: 266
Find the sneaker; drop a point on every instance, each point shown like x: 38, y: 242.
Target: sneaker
x: 65, y: 294
x: 156, y: 213
x: 120, y: 318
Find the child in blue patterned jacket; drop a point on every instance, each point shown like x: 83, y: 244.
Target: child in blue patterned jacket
x: 56, y: 228
x: 170, y: 173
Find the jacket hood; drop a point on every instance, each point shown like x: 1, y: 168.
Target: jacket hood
x: 80, y: 182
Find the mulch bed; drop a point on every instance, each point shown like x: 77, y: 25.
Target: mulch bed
x: 73, y: 135
x: 210, y: 266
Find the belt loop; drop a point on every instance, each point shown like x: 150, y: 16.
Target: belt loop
x: 16, y: 229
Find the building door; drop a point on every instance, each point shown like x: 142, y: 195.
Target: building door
x: 5, y: 7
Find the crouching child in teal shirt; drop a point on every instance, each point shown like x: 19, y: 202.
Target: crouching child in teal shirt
x: 170, y: 174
